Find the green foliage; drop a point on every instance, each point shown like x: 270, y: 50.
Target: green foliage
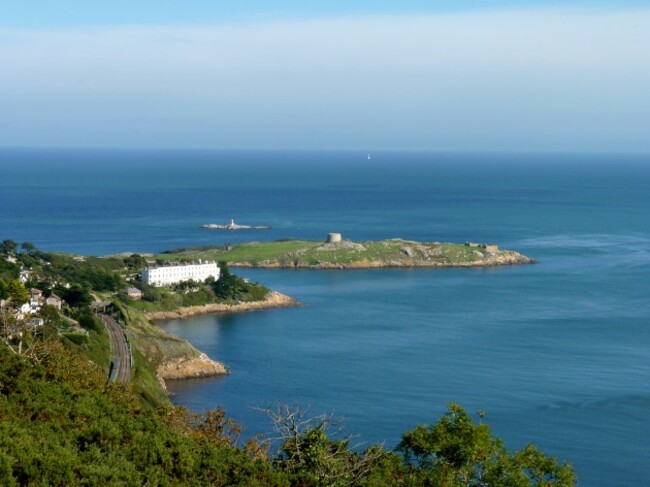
x: 76, y: 296
x: 319, y: 460
x: 8, y: 270
x: 77, y: 339
x: 28, y: 247
x: 99, y: 274
x: 197, y: 298
x: 4, y: 290
x: 151, y: 294
x: 458, y: 452
x: 90, y: 322
x: 230, y: 287
x: 17, y: 292
x: 135, y: 262
x: 96, y: 348
x: 63, y: 424
x: 8, y: 247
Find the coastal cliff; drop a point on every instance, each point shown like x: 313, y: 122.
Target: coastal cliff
x: 169, y: 356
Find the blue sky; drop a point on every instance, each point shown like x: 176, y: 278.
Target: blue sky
x: 70, y: 13
x: 462, y: 75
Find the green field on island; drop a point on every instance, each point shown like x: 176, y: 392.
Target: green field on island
x: 304, y: 253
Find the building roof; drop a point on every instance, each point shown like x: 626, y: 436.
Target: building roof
x: 180, y: 264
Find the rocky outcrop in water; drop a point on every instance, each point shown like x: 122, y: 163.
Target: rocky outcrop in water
x: 190, y: 368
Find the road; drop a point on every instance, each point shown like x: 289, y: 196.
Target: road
x: 121, y: 350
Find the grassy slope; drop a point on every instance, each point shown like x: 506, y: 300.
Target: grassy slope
x: 152, y: 346
x: 308, y: 253
x: 97, y: 349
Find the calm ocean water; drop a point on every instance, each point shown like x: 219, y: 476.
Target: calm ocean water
x: 556, y: 353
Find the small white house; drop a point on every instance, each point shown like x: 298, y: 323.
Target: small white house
x: 35, y: 300
x: 24, y: 276
x: 24, y: 309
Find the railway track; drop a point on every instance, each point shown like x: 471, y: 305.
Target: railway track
x: 122, y: 359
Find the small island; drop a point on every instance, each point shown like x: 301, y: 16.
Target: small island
x: 233, y: 226
x: 338, y: 253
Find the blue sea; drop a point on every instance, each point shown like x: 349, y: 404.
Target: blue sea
x: 556, y: 353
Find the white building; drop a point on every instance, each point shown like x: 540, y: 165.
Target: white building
x: 166, y: 275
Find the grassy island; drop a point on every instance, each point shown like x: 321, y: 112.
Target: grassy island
x: 351, y: 255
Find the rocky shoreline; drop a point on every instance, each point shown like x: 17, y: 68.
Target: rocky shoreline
x: 178, y: 359
x: 503, y: 258
x: 273, y: 299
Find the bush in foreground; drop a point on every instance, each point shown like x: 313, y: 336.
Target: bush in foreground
x: 62, y: 423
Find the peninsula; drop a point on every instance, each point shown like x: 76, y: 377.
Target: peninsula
x: 337, y: 253
x: 103, y: 310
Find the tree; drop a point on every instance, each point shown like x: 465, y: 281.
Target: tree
x: 89, y: 322
x: 28, y: 247
x: 76, y: 296
x: 150, y: 294
x: 307, y: 451
x: 17, y: 293
x: 228, y: 285
x: 8, y: 247
x: 458, y: 452
x: 135, y: 262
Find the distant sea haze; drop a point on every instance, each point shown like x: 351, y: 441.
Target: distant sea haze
x: 556, y: 353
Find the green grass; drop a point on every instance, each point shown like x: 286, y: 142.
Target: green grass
x: 301, y: 252
x: 254, y: 252
x: 97, y: 348
x: 145, y: 383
